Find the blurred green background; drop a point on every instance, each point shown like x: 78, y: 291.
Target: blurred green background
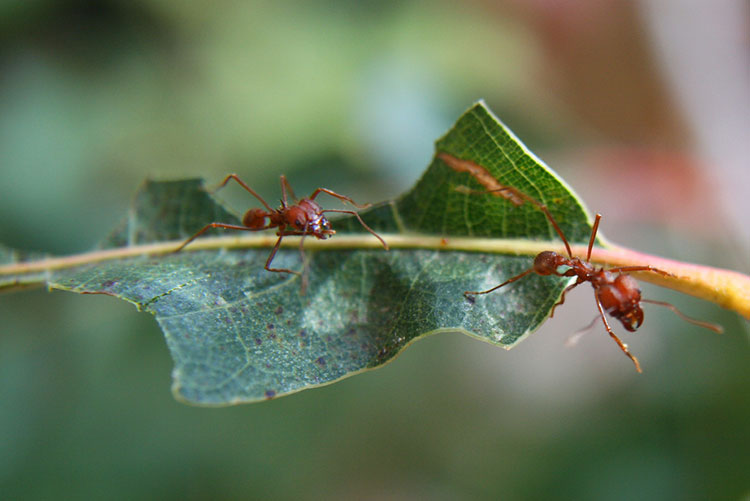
x: 96, y: 96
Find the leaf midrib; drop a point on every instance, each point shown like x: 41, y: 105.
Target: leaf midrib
x: 727, y: 288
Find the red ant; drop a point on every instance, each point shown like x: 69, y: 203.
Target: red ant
x: 303, y: 218
x: 615, y: 292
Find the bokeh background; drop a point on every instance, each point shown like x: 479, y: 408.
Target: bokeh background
x: 644, y: 107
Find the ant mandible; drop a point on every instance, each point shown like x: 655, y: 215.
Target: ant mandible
x: 302, y: 218
x: 615, y: 292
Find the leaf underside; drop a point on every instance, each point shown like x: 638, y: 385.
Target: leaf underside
x: 238, y: 333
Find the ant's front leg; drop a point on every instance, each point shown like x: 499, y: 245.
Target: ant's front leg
x: 340, y: 197
x: 622, y: 345
x: 355, y: 214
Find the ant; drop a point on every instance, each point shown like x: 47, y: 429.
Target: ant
x: 615, y: 291
x: 302, y: 218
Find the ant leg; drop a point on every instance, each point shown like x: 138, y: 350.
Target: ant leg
x: 622, y: 345
x: 285, y: 186
x: 547, y: 213
x: 627, y: 269
x: 510, y: 280
x: 577, y: 335
x: 340, y: 197
x: 594, y: 229
x: 517, y: 198
x: 273, y: 254
x: 249, y: 189
x: 355, y: 214
x: 562, y: 297
x: 216, y: 225
x: 708, y: 325
x: 305, y: 268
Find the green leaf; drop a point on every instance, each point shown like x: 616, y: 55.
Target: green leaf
x: 238, y: 333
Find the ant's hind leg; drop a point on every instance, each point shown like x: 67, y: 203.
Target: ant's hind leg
x: 622, y: 345
x: 286, y: 187
x: 249, y: 189
x: 213, y: 225
x: 594, y: 229
x: 510, y: 280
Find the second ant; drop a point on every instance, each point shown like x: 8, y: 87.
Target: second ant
x: 615, y: 292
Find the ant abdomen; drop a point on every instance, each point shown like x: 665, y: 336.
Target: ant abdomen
x: 547, y: 262
x: 255, y: 219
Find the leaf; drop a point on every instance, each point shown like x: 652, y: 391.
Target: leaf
x: 238, y: 333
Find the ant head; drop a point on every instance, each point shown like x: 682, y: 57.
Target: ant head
x: 321, y: 227
x: 546, y: 263
x: 633, y: 318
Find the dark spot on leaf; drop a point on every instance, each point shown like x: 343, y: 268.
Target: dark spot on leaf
x: 471, y: 299
x: 329, y: 338
x: 321, y: 361
x: 106, y: 293
x: 270, y: 394
x: 279, y: 310
x: 109, y: 283
x: 302, y: 333
x: 270, y: 327
x: 258, y: 341
x: 289, y: 322
x: 352, y: 331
